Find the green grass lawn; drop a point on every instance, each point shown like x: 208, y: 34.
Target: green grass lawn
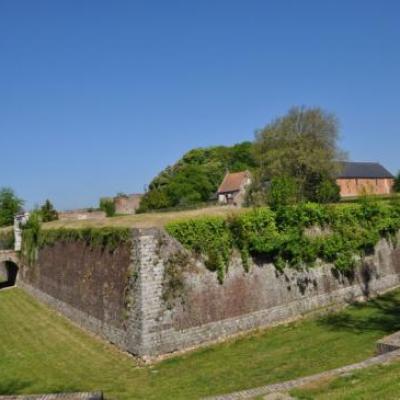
x: 42, y: 352
x: 380, y: 382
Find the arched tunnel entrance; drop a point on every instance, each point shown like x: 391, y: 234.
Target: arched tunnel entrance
x: 8, y: 274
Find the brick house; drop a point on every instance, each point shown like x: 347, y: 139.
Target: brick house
x: 233, y: 188
x: 364, y: 177
x: 127, y: 204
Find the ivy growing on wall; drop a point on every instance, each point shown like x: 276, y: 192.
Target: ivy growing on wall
x: 292, y: 236
x: 34, y: 238
x: 174, y: 284
x: 209, y: 235
x: 6, y: 240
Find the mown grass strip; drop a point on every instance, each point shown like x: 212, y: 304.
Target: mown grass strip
x: 42, y: 352
x: 379, y: 382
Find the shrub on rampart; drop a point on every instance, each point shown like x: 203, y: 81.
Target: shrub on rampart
x: 108, y: 206
x: 208, y: 235
x: 350, y: 232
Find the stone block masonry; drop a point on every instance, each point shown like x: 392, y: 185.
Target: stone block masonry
x: 389, y: 343
x: 206, y: 311
x: 85, y: 283
x: 127, y: 204
x: 150, y: 297
x: 58, y: 396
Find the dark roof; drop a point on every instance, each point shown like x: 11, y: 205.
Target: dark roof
x: 367, y: 170
x: 233, y: 181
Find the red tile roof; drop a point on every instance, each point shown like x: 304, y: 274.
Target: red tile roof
x: 233, y: 181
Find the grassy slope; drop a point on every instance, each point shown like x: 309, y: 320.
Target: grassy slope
x: 154, y: 219
x: 145, y: 220
x: 380, y: 382
x: 42, y: 352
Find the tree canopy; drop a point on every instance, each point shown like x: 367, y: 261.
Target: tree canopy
x: 10, y: 205
x: 108, y: 206
x: 48, y: 212
x: 302, y: 145
x: 295, y: 158
x: 196, y: 176
x: 396, y: 186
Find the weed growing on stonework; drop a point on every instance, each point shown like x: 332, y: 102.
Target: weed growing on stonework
x: 173, y: 287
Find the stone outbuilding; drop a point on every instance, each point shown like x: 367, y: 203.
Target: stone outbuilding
x: 357, y: 178
x: 127, y: 204
x: 233, y: 188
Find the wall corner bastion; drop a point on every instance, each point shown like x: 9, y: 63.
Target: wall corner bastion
x: 152, y: 297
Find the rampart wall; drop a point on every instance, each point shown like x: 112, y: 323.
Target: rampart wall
x: 150, y: 297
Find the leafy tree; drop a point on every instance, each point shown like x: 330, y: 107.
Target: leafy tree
x: 191, y: 185
x: 321, y: 189
x: 155, y: 199
x: 396, y: 186
x: 282, y: 192
x: 48, y: 212
x: 196, y: 176
x: 108, y: 206
x: 10, y: 205
x: 256, y: 193
x: 327, y: 191
x: 301, y: 145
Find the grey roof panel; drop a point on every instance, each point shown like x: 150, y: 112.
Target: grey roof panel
x: 366, y: 170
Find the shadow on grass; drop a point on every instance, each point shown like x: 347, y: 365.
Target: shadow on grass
x: 380, y: 315
x: 13, y: 387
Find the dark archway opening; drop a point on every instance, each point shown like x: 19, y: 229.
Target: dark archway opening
x: 8, y: 274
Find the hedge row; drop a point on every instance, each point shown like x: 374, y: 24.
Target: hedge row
x: 294, y: 236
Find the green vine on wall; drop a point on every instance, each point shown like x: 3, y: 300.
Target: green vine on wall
x: 350, y: 231
x: 174, y: 284
x: 210, y: 236
x: 34, y: 238
x: 6, y: 240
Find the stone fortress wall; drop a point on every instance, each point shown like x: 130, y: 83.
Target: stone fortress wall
x: 150, y: 297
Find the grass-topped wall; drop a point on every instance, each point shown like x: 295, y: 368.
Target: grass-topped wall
x: 292, y: 236
x: 80, y: 271
x: 34, y: 238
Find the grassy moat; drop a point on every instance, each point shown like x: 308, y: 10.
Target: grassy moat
x: 42, y: 352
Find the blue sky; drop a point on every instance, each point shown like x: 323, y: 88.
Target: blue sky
x: 96, y: 97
